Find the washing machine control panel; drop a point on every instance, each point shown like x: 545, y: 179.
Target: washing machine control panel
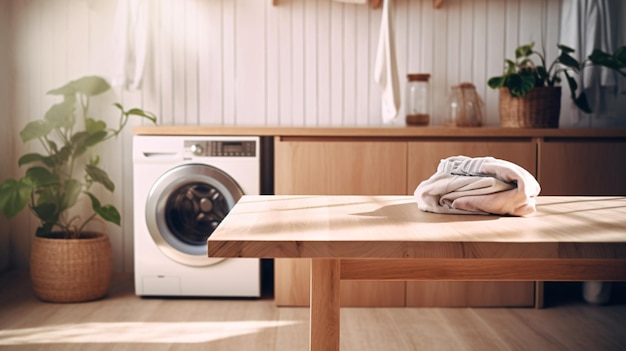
x: 220, y: 148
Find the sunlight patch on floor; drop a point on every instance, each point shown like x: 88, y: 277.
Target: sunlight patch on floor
x: 136, y: 332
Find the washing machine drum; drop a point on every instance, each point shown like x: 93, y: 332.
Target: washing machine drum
x: 184, y: 207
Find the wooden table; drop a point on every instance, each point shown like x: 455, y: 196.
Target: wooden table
x: 388, y: 238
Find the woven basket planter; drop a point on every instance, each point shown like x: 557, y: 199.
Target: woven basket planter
x: 71, y: 270
x: 539, y: 108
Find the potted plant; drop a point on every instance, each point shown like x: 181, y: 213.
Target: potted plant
x: 68, y: 263
x: 530, y: 92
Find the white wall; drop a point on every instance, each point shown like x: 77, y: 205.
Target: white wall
x: 246, y: 62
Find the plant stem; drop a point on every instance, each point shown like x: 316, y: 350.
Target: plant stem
x: 80, y: 230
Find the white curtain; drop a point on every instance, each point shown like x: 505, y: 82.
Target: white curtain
x: 595, y: 24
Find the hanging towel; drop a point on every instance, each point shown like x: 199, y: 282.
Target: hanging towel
x: 385, y: 70
x: 483, y: 185
x: 130, y: 43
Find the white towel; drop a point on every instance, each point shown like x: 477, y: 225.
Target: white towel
x: 483, y: 185
x: 385, y: 70
x: 131, y: 43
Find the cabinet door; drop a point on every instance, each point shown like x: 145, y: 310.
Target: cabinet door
x: 329, y: 167
x: 323, y: 167
x: 582, y: 167
x: 423, y: 158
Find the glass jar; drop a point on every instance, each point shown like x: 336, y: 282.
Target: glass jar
x: 465, y: 107
x: 417, y: 99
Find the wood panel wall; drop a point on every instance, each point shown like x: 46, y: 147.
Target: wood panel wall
x: 247, y: 62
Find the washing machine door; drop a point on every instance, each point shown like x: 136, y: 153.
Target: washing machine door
x: 184, y: 207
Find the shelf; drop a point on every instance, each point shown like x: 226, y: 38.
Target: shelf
x: 376, y: 3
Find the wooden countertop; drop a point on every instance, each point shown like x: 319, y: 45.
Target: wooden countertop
x: 393, y: 227
x: 382, y: 131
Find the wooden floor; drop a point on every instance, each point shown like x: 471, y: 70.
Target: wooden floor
x: 123, y: 321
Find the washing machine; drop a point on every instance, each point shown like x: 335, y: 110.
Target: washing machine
x: 183, y: 188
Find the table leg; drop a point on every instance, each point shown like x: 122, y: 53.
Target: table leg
x: 325, y: 303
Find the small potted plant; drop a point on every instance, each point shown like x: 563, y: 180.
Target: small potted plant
x: 68, y: 263
x: 530, y: 92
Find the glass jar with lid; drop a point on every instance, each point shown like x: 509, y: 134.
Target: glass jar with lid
x: 417, y: 107
x: 465, y: 107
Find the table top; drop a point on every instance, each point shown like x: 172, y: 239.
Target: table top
x: 393, y: 227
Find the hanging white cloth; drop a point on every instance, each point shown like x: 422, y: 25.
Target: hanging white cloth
x: 130, y: 44
x: 385, y: 70
x: 593, y: 24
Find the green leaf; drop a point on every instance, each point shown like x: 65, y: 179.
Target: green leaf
x: 96, y: 138
x: 47, y: 212
x: 35, y: 157
x: 63, y: 155
x: 94, y: 160
x: 581, y: 102
x: 141, y: 113
x: 520, y: 84
x: 14, y: 196
x: 600, y: 58
x: 40, y: 176
x: 46, y: 194
x: 95, y: 203
x: 567, y: 60
x: 100, y: 176
x: 79, y: 142
x: 526, y: 64
x: 61, y: 115
x: 137, y: 112
x: 565, y: 48
x: 35, y: 129
x: 524, y: 50
x: 496, y: 82
x: 90, y: 86
x: 71, y: 192
x: 620, y: 56
x: 53, y: 147
x: 510, y: 67
x: 92, y: 126
x: 573, y: 85
x: 109, y: 213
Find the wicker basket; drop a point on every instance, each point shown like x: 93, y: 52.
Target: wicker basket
x: 538, y: 109
x: 71, y: 270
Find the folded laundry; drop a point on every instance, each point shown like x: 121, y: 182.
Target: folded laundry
x: 482, y: 185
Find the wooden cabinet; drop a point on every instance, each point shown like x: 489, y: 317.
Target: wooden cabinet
x: 327, y: 166
x: 335, y: 167
x: 313, y: 166
x: 582, y: 166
